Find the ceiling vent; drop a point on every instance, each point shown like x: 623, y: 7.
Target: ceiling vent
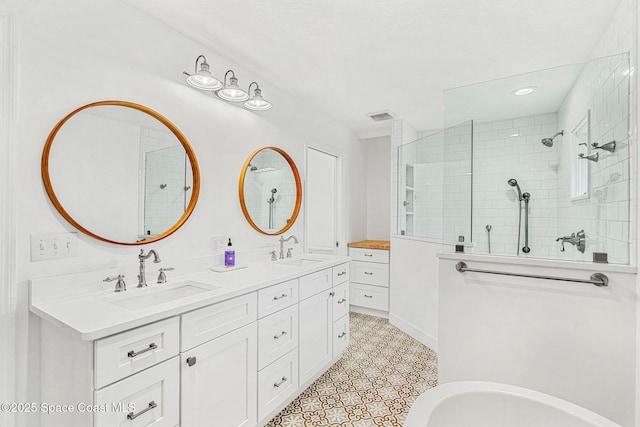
x: 382, y: 115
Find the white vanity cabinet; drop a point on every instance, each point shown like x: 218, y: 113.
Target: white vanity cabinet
x: 326, y: 298
x: 233, y: 362
x: 219, y: 384
x: 369, y: 277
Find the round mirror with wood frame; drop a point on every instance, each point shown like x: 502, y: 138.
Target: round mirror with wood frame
x: 270, y: 191
x: 99, y: 164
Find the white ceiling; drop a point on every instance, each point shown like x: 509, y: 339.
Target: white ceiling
x: 351, y: 57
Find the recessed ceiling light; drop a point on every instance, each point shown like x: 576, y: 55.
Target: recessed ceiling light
x: 523, y: 91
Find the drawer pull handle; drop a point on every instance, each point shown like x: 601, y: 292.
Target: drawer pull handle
x: 332, y: 294
x: 280, y: 297
x: 368, y: 273
x: 277, y: 337
x: 368, y: 296
x: 191, y: 361
x: 368, y: 254
x: 342, y: 300
x: 132, y: 416
x: 342, y: 273
x: 151, y: 347
x: 342, y: 335
x: 282, y: 381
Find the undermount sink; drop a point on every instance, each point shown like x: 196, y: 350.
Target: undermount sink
x: 159, y: 295
x: 301, y: 262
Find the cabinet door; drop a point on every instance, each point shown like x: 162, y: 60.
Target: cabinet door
x: 219, y: 381
x: 315, y: 339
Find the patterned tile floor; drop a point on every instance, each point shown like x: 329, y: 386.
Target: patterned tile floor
x: 374, y: 384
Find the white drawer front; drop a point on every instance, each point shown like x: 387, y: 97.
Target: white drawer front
x: 277, y: 335
x: 121, y: 355
x: 370, y: 296
x: 340, y: 300
x: 340, y: 335
x: 277, y: 297
x: 340, y: 273
x: 370, y: 273
x: 211, y: 322
x: 316, y: 282
x: 276, y: 383
x: 369, y: 255
x: 149, y: 398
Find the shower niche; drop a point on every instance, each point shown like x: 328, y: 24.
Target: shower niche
x: 567, y: 147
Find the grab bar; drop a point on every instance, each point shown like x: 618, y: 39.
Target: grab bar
x: 598, y: 279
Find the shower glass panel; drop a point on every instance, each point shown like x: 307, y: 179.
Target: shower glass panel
x: 530, y: 153
x: 434, y: 197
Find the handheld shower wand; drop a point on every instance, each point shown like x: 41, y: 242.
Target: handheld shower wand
x: 512, y: 182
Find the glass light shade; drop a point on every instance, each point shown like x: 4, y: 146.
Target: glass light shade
x: 203, y: 79
x: 257, y: 102
x: 232, y: 92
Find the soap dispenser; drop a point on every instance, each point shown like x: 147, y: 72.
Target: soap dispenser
x: 229, y: 255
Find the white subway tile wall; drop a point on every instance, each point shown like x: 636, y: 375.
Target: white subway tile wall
x: 163, y: 179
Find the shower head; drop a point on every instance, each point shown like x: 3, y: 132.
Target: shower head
x: 549, y: 141
x: 252, y: 168
x: 274, y: 191
x: 512, y: 182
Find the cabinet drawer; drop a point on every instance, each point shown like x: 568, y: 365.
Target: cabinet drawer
x: 277, y: 335
x: 340, y: 300
x: 313, y: 283
x: 276, y: 383
x: 369, y: 255
x: 121, y: 355
x: 277, y: 297
x: 370, y: 296
x: 340, y: 335
x: 340, y: 273
x: 370, y: 273
x: 151, y: 397
x: 211, y: 322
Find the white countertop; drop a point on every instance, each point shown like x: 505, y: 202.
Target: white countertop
x: 94, y: 315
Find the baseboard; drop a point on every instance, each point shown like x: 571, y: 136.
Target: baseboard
x: 414, y: 332
x: 369, y: 311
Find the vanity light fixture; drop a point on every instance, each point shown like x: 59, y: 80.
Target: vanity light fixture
x: 203, y: 79
x: 231, y: 91
x: 524, y: 91
x: 256, y: 102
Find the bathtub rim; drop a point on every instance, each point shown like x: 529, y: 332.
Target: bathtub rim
x: 424, y: 406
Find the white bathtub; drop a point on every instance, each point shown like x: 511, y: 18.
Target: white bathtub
x: 486, y: 404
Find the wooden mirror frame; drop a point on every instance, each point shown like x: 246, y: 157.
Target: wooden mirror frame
x: 173, y: 128
x: 296, y: 176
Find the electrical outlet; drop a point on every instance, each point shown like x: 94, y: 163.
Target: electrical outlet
x: 54, y: 246
x: 218, y: 243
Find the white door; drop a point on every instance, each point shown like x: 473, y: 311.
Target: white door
x: 315, y: 332
x: 321, y: 201
x: 219, y: 381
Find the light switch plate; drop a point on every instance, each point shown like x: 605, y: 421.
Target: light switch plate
x: 54, y: 246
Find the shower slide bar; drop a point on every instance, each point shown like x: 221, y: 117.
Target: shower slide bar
x: 598, y: 279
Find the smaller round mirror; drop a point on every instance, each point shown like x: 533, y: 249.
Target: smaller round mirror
x: 270, y: 191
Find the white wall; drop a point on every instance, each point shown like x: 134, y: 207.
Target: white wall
x: 88, y: 58
x: 575, y: 341
x: 378, y: 187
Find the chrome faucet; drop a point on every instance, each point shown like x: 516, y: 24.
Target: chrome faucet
x: 577, y: 239
x: 282, y: 241
x: 142, y: 282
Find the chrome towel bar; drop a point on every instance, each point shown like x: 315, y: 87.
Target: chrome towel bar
x: 598, y: 279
